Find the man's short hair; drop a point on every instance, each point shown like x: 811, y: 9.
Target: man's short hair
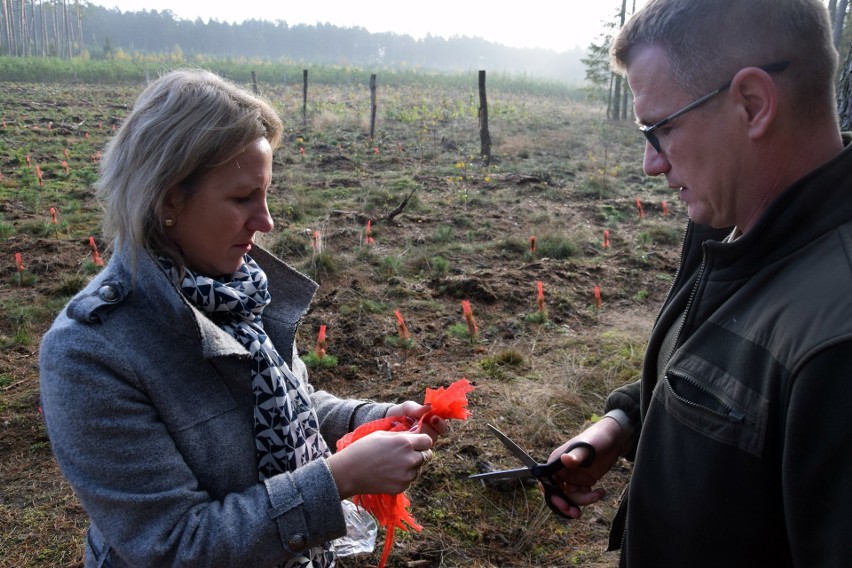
x: 708, y: 41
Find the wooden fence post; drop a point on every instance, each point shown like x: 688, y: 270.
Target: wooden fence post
x: 304, y: 98
x: 372, y: 105
x: 484, y: 136
x: 254, y: 82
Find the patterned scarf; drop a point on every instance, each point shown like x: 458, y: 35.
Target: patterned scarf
x: 286, y: 426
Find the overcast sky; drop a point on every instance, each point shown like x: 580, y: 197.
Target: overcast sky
x: 551, y: 24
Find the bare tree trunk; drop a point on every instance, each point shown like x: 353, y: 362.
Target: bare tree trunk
x: 609, y: 114
x: 628, y: 94
x: 839, y: 20
x: 79, y: 28
x: 4, y: 32
x: 32, y: 40
x: 22, y: 26
x: 372, y: 105
x: 67, y: 22
x: 55, y: 28
x: 17, y: 31
x: 304, y: 98
x: 59, y: 40
x: 484, y: 134
x: 58, y: 27
x: 13, y: 19
x: 44, y: 39
x: 10, y: 24
x: 616, y: 97
x: 25, y: 33
x: 844, y: 94
x: 35, y: 29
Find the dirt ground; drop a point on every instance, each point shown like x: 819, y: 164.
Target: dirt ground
x: 559, y: 171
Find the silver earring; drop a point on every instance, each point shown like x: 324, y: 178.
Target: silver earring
x: 169, y: 222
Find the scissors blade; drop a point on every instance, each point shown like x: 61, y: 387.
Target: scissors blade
x: 513, y: 447
x: 503, y: 474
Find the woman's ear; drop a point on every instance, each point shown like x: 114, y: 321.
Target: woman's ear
x: 173, y: 202
x: 758, y: 94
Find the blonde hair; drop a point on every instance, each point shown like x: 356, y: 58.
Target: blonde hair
x: 183, y: 124
x: 708, y: 41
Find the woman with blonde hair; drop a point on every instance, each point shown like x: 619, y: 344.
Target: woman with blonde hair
x: 174, y: 397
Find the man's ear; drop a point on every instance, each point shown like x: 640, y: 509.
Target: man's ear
x: 758, y: 94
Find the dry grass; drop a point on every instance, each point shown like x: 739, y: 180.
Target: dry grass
x: 464, y: 235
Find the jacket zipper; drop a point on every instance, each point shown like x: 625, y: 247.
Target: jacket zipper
x: 688, y: 306
x: 692, y: 294
x: 731, y: 413
x: 622, y: 561
x: 676, y: 277
x: 701, y: 269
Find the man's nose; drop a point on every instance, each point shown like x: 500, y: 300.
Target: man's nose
x: 654, y: 163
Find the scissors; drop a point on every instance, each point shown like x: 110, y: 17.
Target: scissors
x: 543, y: 472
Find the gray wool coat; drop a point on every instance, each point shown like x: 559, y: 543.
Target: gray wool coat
x: 149, y: 409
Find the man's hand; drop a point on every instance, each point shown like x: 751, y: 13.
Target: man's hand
x: 609, y: 439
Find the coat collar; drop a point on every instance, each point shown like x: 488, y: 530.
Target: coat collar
x: 813, y: 206
x: 137, y: 280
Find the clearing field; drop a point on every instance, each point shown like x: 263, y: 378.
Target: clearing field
x: 560, y: 172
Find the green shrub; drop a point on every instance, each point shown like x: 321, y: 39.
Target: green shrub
x: 6, y: 229
x: 313, y: 362
x: 321, y: 266
x: 555, y: 247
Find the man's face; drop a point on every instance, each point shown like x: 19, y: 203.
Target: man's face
x: 698, y: 154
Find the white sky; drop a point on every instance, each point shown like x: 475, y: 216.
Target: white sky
x: 551, y: 24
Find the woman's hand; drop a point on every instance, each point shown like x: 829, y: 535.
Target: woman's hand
x: 381, y: 462
x: 435, y: 426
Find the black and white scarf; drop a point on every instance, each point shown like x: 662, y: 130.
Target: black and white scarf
x: 287, y: 432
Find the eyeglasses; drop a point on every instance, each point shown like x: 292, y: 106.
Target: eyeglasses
x: 648, y: 131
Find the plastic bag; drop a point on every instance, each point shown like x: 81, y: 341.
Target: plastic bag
x: 361, y: 531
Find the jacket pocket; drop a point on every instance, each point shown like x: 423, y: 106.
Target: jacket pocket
x: 715, y: 403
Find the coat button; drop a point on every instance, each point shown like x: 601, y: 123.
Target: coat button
x: 297, y: 542
x: 107, y: 293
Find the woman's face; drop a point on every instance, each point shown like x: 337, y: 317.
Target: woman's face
x: 216, y: 225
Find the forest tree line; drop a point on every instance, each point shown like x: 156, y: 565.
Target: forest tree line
x: 40, y: 28
x: 74, y: 28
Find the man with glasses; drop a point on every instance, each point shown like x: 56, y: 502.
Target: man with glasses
x: 739, y: 427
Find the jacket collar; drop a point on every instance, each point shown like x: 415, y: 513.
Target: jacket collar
x: 810, y: 208
x: 138, y: 278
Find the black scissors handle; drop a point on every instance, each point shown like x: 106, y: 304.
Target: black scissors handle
x: 545, y: 472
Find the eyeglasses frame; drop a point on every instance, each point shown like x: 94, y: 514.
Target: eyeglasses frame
x: 648, y: 131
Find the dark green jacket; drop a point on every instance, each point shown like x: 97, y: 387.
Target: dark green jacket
x: 745, y: 452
